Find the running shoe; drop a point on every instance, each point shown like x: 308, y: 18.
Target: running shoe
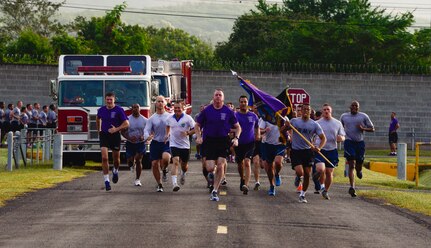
x: 325, y: 195
x: 214, y: 196
x: 241, y: 183
x: 107, y: 186
x: 271, y: 191
x: 302, y: 199
x: 160, y: 188
x: 114, y: 177
x: 176, y: 188
x: 183, y: 179
x: 277, y: 180
x: 223, y: 181
x: 165, y: 175
x: 359, y: 174
x: 244, y: 189
x: 257, y: 186
x: 138, y: 182
x: 352, y: 192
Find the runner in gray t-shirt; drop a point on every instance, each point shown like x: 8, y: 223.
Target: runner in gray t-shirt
x: 302, y: 152
x: 355, y: 123
x: 334, y: 133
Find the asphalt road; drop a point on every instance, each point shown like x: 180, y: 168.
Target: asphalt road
x: 81, y: 214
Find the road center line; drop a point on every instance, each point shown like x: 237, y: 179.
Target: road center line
x: 222, y: 230
x: 221, y: 207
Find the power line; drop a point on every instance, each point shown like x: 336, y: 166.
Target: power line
x: 214, y: 17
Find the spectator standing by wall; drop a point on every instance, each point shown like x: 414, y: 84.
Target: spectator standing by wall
x: 393, y: 135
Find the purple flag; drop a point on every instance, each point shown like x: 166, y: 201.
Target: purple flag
x: 269, y: 108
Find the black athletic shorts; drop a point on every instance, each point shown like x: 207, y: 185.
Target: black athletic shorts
x: 393, y: 138
x: 215, y: 148
x: 244, y: 151
x: 304, y: 157
x: 111, y: 141
x: 183, y: 153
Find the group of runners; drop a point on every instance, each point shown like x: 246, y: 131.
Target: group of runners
x: 217, y: 128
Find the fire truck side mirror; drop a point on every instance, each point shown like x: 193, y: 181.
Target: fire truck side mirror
x: 183, y: 88
x: 53, y: 89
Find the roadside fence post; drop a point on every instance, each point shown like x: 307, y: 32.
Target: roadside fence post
x: 402, y: 161
x: 9, y: 151
x: 58, y: 152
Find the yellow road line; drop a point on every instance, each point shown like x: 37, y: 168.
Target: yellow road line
x: 222, y: 230
x: 221, y: 207
x: 223, y: 193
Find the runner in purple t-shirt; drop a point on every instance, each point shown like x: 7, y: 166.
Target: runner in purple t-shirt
x: 109, y: 121
x: 216, y: 120
x: 249, y: 133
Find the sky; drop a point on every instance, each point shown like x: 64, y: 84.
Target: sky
x: 220, y: 14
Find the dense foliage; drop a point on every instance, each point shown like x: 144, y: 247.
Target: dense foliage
x: 326, y: 32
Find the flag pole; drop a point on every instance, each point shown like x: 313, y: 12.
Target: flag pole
x: 306, y: 140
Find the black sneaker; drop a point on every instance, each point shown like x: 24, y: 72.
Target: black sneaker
x: 224, y: 182
x: 352, y: 192
x: 114, y: 177
x: 302, y: 199
x: 107, y: 186
x: 245, y: 189
x: 325, y: 195
x: 160, y: 188
x: 359, y: 174
x: 241, y: 183
x: 257, y: 186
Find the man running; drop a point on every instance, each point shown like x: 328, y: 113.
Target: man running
x: 272, y: 155
x: 160, y: 153
x: 334, y: 133
x: 302, y: 152
x: 244, y: 151
x: 178, y: 131
x: 355, y: 123
x: 216, y: 120
x: 110, y: 120
x: 135, y: 144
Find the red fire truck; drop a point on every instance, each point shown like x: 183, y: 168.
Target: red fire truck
x: 172, y: 79
x: 83, y: 81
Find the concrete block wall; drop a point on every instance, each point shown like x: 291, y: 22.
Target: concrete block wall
x: 28, y: 83
x: 379, y: 95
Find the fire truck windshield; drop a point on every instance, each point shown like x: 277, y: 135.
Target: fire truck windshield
x: 163, y: 85
x: 90, y: 93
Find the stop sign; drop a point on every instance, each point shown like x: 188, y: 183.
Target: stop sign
x: 298, y: 97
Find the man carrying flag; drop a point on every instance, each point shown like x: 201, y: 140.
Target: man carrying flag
x: 302, y: 151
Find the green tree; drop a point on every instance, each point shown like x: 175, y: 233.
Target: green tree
x: 38, y: 16
x: 30, y: 47
x: 168, y: 43
x: 325, y: 31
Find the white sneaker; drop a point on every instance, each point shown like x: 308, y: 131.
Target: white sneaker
x: 138, y: 182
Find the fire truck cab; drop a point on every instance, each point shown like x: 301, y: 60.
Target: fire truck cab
x: 83, y: 81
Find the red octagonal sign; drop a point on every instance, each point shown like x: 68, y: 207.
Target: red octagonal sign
x: 298, y: 97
